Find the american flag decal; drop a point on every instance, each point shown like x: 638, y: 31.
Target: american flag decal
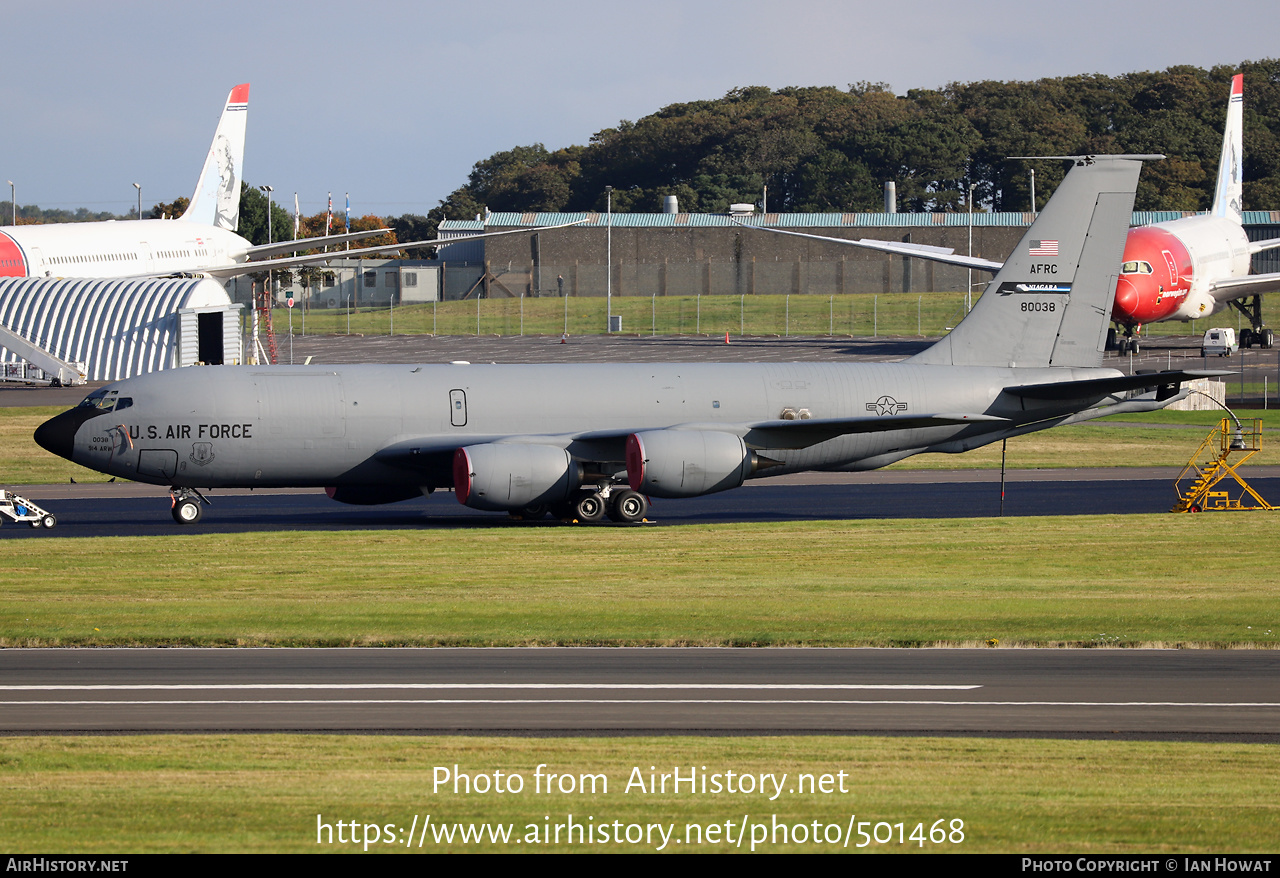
x: 1043, y: 248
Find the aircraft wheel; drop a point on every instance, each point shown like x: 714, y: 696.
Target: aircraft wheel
x: 590, y: 508
x: 1122, y: 346
x: 563, y: 511
x: 187, y: 511
x: 1111, y: 339
x: 1266, y: 338
x: 48, y: 521
x: 530, y: 513
x: 1246, y: 338
x: 628, y: 506
x: 1134, y: 347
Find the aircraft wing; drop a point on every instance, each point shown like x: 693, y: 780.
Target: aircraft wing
x: 944, y: 255
x: 803, y: 433
x: 263, y: 250
x: 1103, y: 387
x: 240, y: 268
x: 603, y: 445
x: 1239, y: 287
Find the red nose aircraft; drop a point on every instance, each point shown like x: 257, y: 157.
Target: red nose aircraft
x: 1179, y: 270
x: 1195, y: 266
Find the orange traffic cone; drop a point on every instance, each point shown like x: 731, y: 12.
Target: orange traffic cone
x: 726, y: 336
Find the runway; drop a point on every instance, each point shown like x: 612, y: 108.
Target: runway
x: 1150, y: 694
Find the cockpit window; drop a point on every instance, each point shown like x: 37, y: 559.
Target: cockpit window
x: 105, y: 401
x: 1136, y: 267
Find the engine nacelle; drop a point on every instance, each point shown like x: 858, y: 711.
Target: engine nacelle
x: 686, y: 463
x: 501, y: 477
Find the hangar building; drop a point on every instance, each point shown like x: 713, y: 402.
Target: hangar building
x: 120, y: 327
x: 684, y: 254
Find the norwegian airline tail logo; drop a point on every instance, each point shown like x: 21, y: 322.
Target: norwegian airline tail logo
x: 216, y: 201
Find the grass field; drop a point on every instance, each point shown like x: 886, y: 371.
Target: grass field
x: 899, y: 314
x: 1078, y: 580
x: 248, y: 794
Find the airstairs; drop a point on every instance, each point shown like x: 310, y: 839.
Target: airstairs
x: 1212, y: 465
x: 40, y: 366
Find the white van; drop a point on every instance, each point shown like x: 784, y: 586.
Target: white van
x: 1219, y: 342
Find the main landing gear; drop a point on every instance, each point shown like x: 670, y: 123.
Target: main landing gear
x: 594, y: 503
x: 1257, y: 335
x: 1128, y: 344
x: 188, y: 505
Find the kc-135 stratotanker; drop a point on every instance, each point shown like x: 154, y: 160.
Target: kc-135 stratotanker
x: 586, y: 441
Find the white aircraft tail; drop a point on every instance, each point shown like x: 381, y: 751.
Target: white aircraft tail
x: 216, y: 201
x: 1051, y: 302
x: 1227, y: 196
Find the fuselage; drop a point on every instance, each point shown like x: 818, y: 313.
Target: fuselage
x: 1169, y: 268
x: 124, y: 248
x: 369, y: 425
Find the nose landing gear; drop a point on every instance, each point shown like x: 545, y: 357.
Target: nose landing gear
x: 187, y: 505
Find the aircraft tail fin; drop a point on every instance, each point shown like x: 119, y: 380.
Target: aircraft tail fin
x: 1227, y: 196
x: 1051, y: 302
x: 216, y: 201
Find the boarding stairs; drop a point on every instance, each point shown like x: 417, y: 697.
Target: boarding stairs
x: 1212, y: 464
x: 40, y: 366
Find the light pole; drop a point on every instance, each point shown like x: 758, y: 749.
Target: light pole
x: 13, y: 202
x: 1033, y: 193
x: 608, y: 269
x: 138, y: 186
x: 268, y: 190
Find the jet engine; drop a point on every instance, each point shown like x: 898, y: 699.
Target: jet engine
x: 686, y: 463
x: 501, y: 477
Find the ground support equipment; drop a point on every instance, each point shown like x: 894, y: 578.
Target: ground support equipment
x: 21, y: 509
x: 1211, y: 465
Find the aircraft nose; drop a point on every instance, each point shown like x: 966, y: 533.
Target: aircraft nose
x: 1126, y: 303
x: 58, y: 434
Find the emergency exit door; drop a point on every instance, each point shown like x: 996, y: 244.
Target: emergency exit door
x: 458, y: 408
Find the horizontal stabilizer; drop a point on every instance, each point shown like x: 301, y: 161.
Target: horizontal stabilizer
x: 1102, y: 387
x: 1261, y: 246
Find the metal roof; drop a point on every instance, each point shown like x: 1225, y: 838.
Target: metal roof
x: 117, y: 327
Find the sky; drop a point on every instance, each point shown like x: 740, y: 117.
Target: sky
x: 393, y: 102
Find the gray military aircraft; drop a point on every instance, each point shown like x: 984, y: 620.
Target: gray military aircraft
x: 585, y: 441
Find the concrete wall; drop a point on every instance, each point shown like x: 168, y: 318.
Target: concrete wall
x: 731, y: 261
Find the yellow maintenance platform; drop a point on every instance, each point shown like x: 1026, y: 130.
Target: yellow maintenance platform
x: 1212, y: 464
